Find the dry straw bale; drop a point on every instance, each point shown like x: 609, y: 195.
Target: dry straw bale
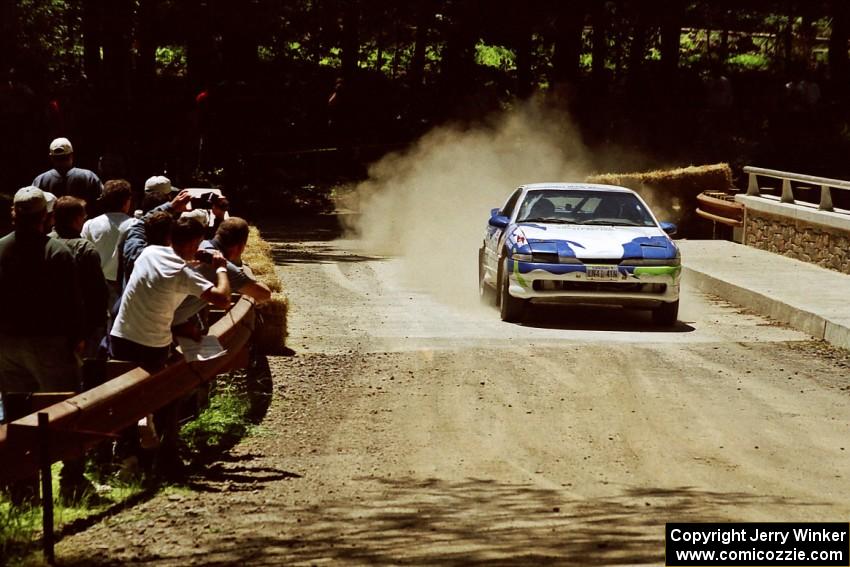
x: 672, y: 193
x: 270, y: 334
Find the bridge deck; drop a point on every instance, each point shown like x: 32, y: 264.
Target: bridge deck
x: 807, y: 297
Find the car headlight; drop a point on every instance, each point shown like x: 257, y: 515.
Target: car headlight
x: 522, y: 257
x: 652, y: 262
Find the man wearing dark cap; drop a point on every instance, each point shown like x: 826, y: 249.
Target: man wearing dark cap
x: 65, y: 179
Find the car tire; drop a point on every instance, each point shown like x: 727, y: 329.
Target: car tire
x: 486, y: 293
x: 510, y: 308
x: 667, y: 314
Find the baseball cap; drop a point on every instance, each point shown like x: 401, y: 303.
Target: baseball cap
x: 158, y: 184
x: 29, y: 200
x: 61, y: 147
x: 50, y: 199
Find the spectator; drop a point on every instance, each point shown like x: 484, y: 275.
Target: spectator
x: 40, y: 329
x: 230, y: 240
x: 70, y: 214
x: 40, y: 301
x: 219, y: 214
x: 157, y: 191
x: 105, y: 230
x: 160, y: 281
x: 65, y: 179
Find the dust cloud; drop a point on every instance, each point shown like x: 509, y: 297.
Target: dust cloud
x: 430, y: 204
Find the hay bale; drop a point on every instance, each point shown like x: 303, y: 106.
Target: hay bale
x: 672, y: 193
x: 270, y: 333
x: 258, y: 255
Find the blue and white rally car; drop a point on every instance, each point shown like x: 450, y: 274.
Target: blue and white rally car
x: 579, y: 243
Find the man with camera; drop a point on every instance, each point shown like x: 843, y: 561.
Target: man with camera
x: 229, y: 241
x: 163, y: 276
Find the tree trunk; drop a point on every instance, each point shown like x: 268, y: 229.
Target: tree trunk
x: 379, y: 46
x: 637, y: 50
x: 788, y: 36
x: 523, y: 54
x: 146, y: 38
x: 200, y: 49
x: 569, y: 25
x: 8, y: 43
x: 671, y: 35
x: 92, y: 40
x: 600, y: 41
x: 117, y: 23
x: 839, y: 63
x: 424, y: 16
x: 237, y: 21
x: 350, y: 39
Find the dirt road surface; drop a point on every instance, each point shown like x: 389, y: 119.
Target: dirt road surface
x: 406, y: 430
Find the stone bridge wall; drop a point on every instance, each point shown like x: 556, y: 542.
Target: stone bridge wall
x: 798, y: 231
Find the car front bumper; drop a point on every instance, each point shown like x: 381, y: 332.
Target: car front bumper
x: 623, y: 284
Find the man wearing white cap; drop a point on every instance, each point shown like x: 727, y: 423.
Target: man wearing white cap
x: 65, y: 179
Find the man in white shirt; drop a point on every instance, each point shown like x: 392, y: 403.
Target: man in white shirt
x: 163, y: 276
x: 104, y: 230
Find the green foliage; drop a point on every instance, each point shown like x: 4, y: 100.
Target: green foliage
x: 49, y: 41
x: 749, y: 62
x: 332, y: 59
x: 171, y: 61
x: 495, y: 56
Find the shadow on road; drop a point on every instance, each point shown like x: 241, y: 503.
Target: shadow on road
x: 307, y: 228
x: 308, y: 240
x: 470, y: 522
x: 285, y: 254
x: 596, y: 318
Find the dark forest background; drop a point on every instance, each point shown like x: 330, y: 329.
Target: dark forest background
x: 236, y: 92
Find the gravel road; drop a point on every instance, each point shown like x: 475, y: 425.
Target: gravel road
x: 409, y: 430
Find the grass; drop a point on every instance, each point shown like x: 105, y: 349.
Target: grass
x: 20, y: 526
x: 223, y: 422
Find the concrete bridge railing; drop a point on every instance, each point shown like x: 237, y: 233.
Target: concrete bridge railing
x: 826, y: 185
x: 815, y: 233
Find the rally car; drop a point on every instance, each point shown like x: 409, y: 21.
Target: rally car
x: 579, y: 243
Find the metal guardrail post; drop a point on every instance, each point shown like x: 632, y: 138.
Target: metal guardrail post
x: 753, y: 186
x: 46, y: 487
x: 787, y: 192
x: 825, y: 198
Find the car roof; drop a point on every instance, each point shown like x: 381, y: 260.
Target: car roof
x: 576, y: 186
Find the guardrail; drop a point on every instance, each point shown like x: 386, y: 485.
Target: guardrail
x: 720, y: 207
x: 79, y: 422
x: 826, y: 185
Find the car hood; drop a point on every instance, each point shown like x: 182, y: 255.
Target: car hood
x: 592, y: 241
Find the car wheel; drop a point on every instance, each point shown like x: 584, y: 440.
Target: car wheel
x: 510, y: 307
x: 486, y: 293
x: 667, y: 314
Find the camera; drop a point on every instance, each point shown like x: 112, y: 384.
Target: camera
x: 205, y: 201
x: 204, y: 256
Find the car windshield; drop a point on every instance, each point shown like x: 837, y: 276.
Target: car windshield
x: 583, y: 207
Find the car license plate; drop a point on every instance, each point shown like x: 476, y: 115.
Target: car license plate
x: 603, y: 273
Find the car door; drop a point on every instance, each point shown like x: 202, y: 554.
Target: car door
x: 495, y: 238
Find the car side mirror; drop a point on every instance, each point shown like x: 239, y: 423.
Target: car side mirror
x: 668, y: 227
x: 497, y: 219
